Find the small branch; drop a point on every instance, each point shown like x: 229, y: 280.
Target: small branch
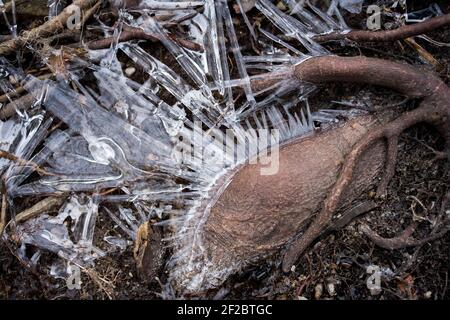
x: 42, y: 206
x: 131, y: 33
x: 48, y: 28
x: 21, y: 103
x: 388, y: 35
x: 3, y: 213
x: 428, y: 57
x: 9, y: 156
x: 19, y: 90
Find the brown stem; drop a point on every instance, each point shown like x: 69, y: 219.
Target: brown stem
x: 11, y: 157
x: 42, y: 206
x: 388, y: 35
x: 19, y: 90
x: 3, y: 214
x: 21, y: 103
x: 131, y: 33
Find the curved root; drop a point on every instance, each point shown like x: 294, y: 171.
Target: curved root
x: 403, y: 240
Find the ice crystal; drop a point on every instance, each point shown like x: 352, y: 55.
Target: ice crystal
x: 128, y: 143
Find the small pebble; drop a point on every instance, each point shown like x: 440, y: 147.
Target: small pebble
x: 331, y: 289
x: 375, y: 291
x: 281, y: 6
x: 130, y: 71
x: 318, y: 291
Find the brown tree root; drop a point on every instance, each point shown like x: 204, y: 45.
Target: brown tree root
x: 388, y: 35
x: 434, y: 109
x: 403, y: 240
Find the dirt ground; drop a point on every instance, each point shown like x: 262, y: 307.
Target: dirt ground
x: 335, y: 267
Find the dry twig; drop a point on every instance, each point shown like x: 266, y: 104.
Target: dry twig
x: 3, y: 213
x: 9, y: 156
x: 131, y: 33
x: 42, y: 206
x: 48, y: 28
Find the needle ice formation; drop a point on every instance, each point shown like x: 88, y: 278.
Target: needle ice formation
x: 114, y: 156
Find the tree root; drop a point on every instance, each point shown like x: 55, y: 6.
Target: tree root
x: 403, y: 240
x: 388, y: 35
x: 434, y: 109
x: 412, y: 258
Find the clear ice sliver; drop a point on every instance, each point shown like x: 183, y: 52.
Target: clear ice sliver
x: 52, y: 233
